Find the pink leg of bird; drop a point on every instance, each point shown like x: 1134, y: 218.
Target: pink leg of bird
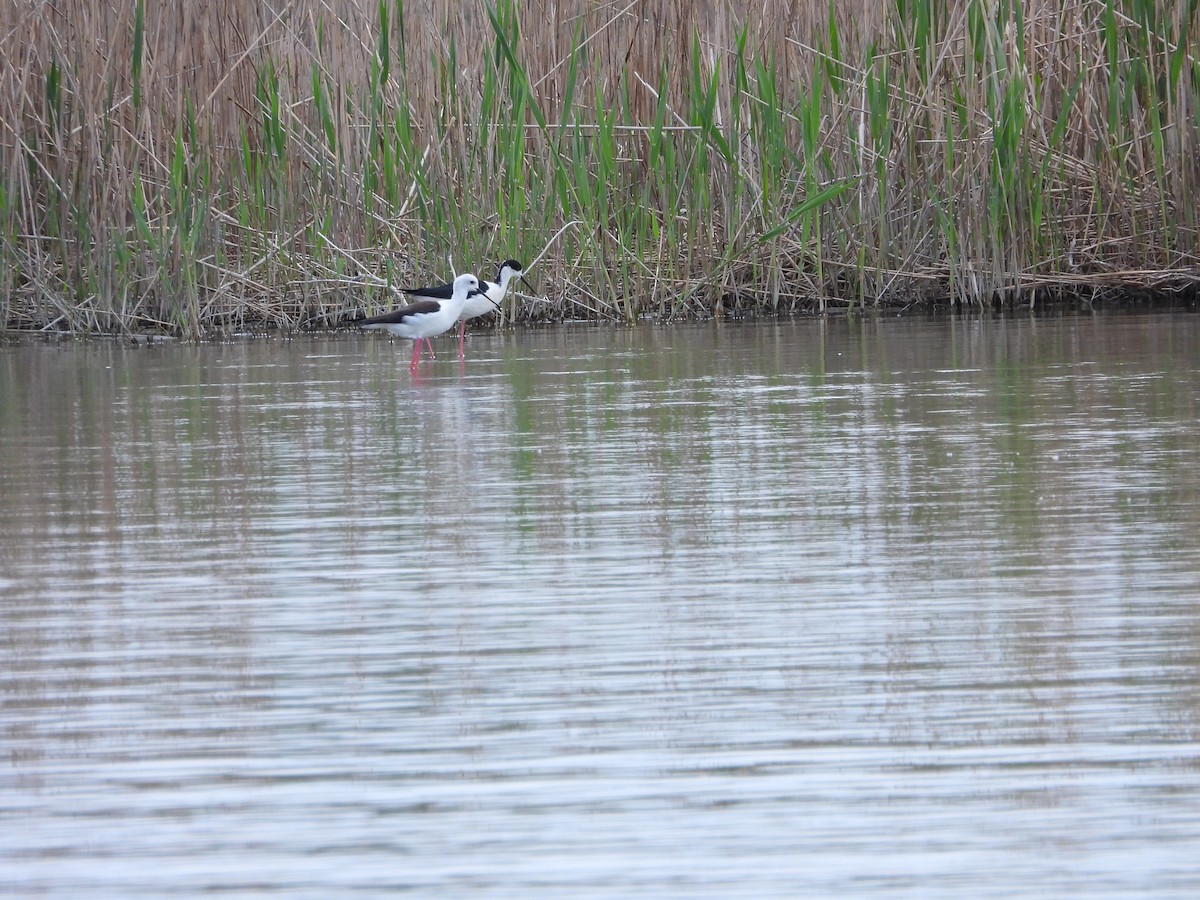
x: 462, y: 334
x: 416, y: 357
x: 432, y: 355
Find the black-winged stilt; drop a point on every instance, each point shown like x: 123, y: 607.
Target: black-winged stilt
x: 491, y: 293
x: 480, y: 304
x: 426, y: 318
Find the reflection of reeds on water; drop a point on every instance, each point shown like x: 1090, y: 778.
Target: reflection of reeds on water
x: 193, y: 166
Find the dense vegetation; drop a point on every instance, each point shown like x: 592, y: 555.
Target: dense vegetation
x: 193, y: 167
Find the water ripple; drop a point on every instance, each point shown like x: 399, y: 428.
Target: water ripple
x: 778, y: 609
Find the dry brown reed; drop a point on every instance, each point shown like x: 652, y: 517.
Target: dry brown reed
x: 204, y: 166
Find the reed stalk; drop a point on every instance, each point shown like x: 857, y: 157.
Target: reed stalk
x: 197, y: 168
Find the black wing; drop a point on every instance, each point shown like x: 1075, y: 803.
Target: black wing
x: 399, y: 315
x: 437, y: 292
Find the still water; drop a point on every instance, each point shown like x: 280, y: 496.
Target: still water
x: 775, y: 609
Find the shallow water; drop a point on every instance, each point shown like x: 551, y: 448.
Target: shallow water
x: 807, y: 608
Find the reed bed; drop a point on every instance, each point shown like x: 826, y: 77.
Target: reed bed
x: 199, y: 167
